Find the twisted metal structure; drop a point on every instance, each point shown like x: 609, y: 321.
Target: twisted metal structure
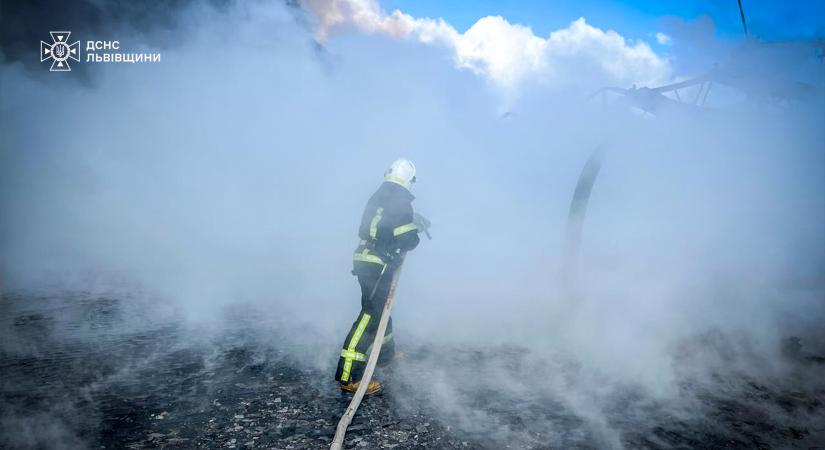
x: 747, y: 71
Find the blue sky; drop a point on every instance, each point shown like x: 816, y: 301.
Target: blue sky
x: 634, y: 19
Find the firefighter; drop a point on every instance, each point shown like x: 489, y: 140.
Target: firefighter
x: 388, y: 229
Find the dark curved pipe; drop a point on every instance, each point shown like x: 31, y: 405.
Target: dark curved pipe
x: 575, y: 218
x: 742, y: 15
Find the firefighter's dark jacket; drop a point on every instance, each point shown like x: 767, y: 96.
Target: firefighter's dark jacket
x: 387, y: 228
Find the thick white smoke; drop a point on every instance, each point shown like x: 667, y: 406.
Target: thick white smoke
x: 509, y: 55
x: 235, y: 172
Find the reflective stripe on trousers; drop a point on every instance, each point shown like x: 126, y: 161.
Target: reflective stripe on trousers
x: 362, y: 325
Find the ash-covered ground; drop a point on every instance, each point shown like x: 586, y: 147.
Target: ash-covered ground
x: 85, y: 371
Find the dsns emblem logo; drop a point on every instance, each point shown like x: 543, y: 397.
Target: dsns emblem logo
x: 60, y: 51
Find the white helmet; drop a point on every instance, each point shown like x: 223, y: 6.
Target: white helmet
x: 401, y: 171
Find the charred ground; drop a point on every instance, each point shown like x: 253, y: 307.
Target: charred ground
x: 77, y: 374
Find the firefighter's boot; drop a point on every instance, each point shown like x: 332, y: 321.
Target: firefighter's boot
x: 373, y: 388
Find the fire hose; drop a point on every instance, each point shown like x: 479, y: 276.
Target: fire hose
x: 341, y: 430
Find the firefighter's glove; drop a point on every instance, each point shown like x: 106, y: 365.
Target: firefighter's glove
x: 422, y: 223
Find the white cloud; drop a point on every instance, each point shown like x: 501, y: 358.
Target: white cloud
x: 509, y: 54
x: 662, y: 38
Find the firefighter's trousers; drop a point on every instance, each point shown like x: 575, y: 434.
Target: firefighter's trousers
x: 358, y: 344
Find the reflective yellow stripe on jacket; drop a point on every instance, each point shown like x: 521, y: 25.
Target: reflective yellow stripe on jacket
x: 366, y: 256
x: 403, y: 229
x: 374, y: 224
